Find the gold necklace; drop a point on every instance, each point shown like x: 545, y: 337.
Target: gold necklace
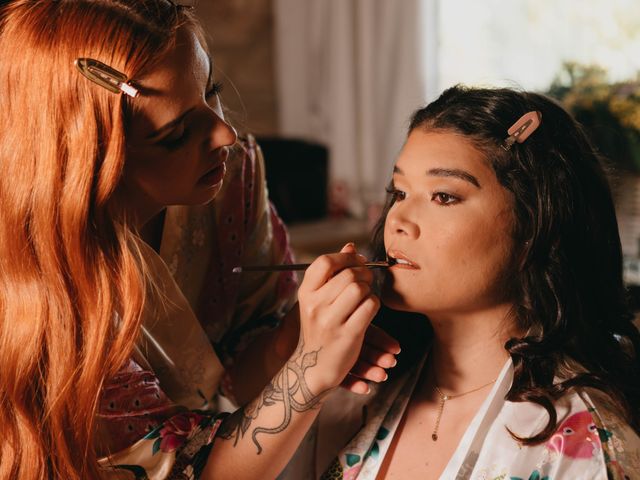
x: 444, y: 398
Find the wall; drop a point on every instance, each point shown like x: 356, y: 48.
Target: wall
x: 240, y: 34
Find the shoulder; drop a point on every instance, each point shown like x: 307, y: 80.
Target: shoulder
x: 619, y: 441
x: 582, y: 446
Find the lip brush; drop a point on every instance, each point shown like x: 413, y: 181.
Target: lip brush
x: 295, y: 266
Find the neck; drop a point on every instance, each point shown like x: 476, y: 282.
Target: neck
x: 144, y: 213
x: 468, y: 349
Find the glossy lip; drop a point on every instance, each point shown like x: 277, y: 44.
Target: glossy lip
x: 397, y: 254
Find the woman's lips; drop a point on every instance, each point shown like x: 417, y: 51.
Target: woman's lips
x: 215, y: 175
x: 400, y: 260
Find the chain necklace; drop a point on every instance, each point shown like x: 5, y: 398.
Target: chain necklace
x: 444, y: 398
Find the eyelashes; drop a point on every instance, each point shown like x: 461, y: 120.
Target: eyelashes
x: 445, y: 199
x: 441, y: 198
x: 176, y: 140
x: 396, y: 195
x: 215, y: 89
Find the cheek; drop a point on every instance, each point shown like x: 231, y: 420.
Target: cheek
x: 160, y: 169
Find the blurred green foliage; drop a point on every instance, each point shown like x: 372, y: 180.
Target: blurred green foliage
x: 610, y: 112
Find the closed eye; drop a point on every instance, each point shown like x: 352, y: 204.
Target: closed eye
x: 445, y: 199
x: 214, y: 90
x: 175, y: 139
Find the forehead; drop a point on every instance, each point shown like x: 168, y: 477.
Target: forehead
x: 425, y: 149
x: 172, y: 85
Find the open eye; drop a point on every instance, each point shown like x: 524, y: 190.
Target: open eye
x: 592, y: 427
x: 396, y: 195
x: 567, y: 431
x: 444, y: 198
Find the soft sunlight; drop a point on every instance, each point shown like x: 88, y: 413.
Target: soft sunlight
x: 525, y: 42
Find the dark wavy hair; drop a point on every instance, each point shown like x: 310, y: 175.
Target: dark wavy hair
x: 568, y: 292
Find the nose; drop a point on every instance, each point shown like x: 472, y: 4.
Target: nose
x: 399, y: 222
x: 222, y: 134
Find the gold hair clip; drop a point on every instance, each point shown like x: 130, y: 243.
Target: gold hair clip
x: 105, y: 76
x: 520, y: 131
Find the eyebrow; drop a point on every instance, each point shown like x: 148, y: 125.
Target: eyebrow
x: 170, y: 125
x: 447, y: 172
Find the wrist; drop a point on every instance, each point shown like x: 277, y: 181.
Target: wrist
x: 314, y: 377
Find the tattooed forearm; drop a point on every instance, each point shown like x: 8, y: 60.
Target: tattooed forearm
x: 288, y: 390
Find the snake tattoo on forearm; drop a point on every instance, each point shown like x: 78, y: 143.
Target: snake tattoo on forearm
x: 279, y: 391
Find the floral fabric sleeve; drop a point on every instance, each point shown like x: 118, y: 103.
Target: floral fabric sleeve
x: 177, y: 449
x: 620, y: 444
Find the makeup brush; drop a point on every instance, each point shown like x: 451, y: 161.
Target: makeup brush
x: 295, y: 266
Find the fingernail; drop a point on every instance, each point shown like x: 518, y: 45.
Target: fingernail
x: 347, y: 246
x: 361, y: 257
x: 386, y: 377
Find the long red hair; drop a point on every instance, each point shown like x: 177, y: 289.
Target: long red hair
x: 72, y: 285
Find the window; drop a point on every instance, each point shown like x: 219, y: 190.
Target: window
x: 524, y: 43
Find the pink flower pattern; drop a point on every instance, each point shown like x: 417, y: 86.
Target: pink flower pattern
x: 177, y: 430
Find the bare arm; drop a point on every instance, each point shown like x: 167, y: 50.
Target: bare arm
x: 264, y: 357
x: 336, y: 307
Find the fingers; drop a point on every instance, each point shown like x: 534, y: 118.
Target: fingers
x: 349, y: 248
x: 327, y: 266
x: 381, y: 340
x: 355, y: 385
x: 377, y: 357
x: 337, y: 284
x: 372, y: 364
x: 366, y: 371
x: 360, y: 319
x: 348, y: 288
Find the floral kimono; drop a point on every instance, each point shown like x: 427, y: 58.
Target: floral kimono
x: 591, y: 442
x: 158, y: 416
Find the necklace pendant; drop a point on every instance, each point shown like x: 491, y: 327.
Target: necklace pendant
x: 434, y: 437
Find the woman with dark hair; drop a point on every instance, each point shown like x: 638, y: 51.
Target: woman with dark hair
x: 503, y: 233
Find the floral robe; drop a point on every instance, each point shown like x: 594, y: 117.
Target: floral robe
x: 591, y: 442
x: 158, y: 415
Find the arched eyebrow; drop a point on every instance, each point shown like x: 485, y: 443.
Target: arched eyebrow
x: 171, y: 124
x: 447, y: 172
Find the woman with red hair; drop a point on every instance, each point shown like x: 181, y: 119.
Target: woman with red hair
x: 111, y: 303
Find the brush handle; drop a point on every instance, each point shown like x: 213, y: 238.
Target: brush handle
x: 294, y: 266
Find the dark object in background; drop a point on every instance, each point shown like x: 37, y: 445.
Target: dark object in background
x: 297, y: 175
x: 412, y: 331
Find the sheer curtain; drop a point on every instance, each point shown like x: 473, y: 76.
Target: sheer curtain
x: 349, y: 74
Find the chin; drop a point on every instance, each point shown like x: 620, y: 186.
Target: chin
x: 394, y: 299
x: 204, y: 195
